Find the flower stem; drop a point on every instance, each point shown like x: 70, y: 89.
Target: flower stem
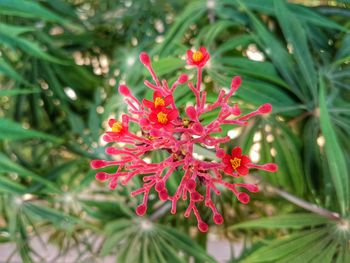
x: 302, y: 203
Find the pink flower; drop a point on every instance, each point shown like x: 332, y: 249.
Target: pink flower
x: 236, y: 162
x: 162, y: 117
x: 118, y: 128
x: 158, y: 126
x: 158, y: 101
x: 198, y: 58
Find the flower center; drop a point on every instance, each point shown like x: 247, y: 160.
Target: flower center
x: 236, y: 162
x: 117, y: 127
x: 197, y: 56
x: 158, y: 102
x: 162, y: 117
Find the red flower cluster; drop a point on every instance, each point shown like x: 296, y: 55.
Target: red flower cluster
x: 163, y: 128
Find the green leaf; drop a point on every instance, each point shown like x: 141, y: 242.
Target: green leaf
x: 15, y: 92
x: 15, y: 30
x: 10, y: 130
x: 9, y: 186
x: 168, y: 65
x: 294, y: 221
x: 27, y: 46
x: 307, y: 253
x: 9, y: 166
x: 296, y: 36
x: 280, y: 248
x: 8, y: 70
x: 335, y: 157
x: 28, y: 8
x: 184, y: 243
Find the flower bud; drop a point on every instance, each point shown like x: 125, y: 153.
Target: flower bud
x: 266, y: 108
x: 163, y: 195
x: 203, y: 227
x: 160, y: 186
x: 236, y: 82
x: 141, y: 210
x: 182, y: 79
x: 144, y: 58
x: 218, y: 219
x: 270, y: 167
x: 96, y: 164
x: 220, y: 153
x: 124, y: 90
x: 196, y: 197
x: 191, y: 113
x: 101, y: 176
x: 197, y: 128
x: 244, y: 198
x: 112, y: 184
x: 235, y: 110
x: 191, y: 185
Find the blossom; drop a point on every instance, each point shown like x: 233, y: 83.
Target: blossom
x: 158, y: 101
x: 236, y: 162
x: 198, y: 58
x: 159, y: 125
x: 162, y: 117
x: 117, y: 128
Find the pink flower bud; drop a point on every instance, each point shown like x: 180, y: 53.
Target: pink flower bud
x: 244, y: 198
x: 182, y: 79
x: 96, y: 164
x: 270, y: 167
x: 203, y: 227
x: 191, y: 185
x: 236, y: 82
x: 235, y: 110
x: 265, y: 108
x: 160, y: 186
x: 101, y: 176
x: 144, y: 58
x: 144, y: 122
x: 220, y: 153
x: 124, y: 90
x: 112, y: 184
x: 252, y: 188
x: 197, y: 128
x: 196, y: 197
x: 191, y: 113
x: 218, y: 219
x: 141, y: 210
x: 163, y: 195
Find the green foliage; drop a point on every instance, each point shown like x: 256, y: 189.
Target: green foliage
x: 60, y: 63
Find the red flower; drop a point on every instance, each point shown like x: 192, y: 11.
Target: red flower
x: 158, y: 101
x: 118, y: 128
x: 198, y: 58
x: 162, y: 117
x: 236, y: 162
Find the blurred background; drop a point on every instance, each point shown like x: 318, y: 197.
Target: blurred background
x: 60, y: 64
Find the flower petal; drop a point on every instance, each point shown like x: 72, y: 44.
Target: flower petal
x: 172, y: 115
x: 242, y: 170
x: 228, y: 169
x: 245, y: 160
x: 236, y: 152
x: 148, y: 104
x: 157, y: 94
x: 168, y: 100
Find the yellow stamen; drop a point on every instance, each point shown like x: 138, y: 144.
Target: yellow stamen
x: 197, y: 56
x: 158, y: 102
x: 117, y: 127
x: 162, y: 117
x: 236, y: 162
